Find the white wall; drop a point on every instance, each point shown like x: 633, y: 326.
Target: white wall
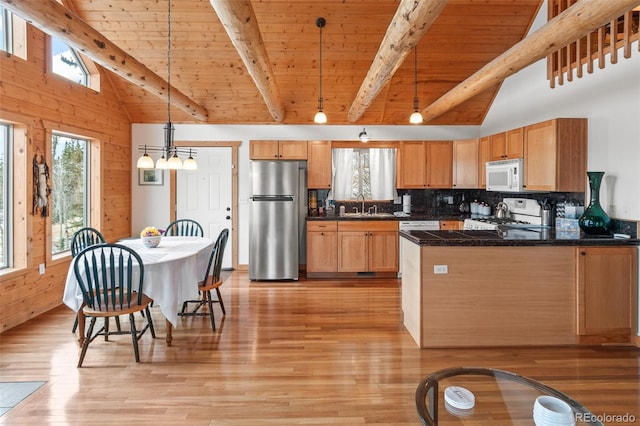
x: 150, y: 204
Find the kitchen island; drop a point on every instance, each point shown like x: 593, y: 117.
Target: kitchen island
x: 495, y: 288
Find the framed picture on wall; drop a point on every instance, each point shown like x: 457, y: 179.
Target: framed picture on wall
x: 151, y: 177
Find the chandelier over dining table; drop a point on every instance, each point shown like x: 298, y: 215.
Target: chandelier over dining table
x: 169, y: 158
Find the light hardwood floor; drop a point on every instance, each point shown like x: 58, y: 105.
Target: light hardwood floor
x: 311, y: 352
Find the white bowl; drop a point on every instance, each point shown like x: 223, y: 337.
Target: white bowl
x: 549, y: 410
x: 151, y: 242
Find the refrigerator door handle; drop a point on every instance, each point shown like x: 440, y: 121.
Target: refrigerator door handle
x: 272, y: 198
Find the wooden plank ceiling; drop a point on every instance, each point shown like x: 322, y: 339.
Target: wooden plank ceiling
x: 206, y: 67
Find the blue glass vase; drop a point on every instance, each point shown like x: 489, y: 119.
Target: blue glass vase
x: 595, y: 220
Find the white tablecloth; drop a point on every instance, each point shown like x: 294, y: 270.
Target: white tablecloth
x: 171, y: 273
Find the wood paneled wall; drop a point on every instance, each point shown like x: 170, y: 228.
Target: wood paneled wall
x: 38, y: 99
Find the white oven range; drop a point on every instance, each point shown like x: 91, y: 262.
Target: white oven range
x: 522, y: 212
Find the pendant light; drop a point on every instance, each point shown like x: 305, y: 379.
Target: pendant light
x: 363, y: 136
x: 320, y: 116
x: 169, y: 158
x: 145, y: 162
x: 416, y: 117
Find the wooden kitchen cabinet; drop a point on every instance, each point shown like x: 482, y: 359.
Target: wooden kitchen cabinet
x: 484, y: 155
x: 465, y: 163
x: 555, y: 155
x: 451, y: 225
x: 425, y: 164
x: 277, y: 150
x: 368, y: 246
x: 439, y: 164
x: 411, y: 165
x: 322, y: 246
x: 319, y: 165
x: 497, y: 146
x: 606, y: 294
x: 506, y: 145
x: 514, y: 144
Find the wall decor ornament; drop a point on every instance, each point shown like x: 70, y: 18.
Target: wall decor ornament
x: 41, y: 186
x: 594, y: 220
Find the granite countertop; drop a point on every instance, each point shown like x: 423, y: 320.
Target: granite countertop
x: 514, y: 237
x: 413, y: 217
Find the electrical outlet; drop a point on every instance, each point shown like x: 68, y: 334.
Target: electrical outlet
x: 41, y: 268
x: 440, y: 269
x: 450, y: 199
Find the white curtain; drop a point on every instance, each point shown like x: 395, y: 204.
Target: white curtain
x: 341, y: 163
x: 382, y: 163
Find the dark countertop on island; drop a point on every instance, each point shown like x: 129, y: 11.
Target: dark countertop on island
x: 514, y: 237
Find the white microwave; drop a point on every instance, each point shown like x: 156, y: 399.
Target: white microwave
x: 505, y: 175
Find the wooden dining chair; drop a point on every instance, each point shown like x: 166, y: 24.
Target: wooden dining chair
x: 81, y: 239
x: 211, y: 281
x: 185, y: 228
x: 110, y: 277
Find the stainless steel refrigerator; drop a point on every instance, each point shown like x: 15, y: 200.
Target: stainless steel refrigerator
x: 274, y: 220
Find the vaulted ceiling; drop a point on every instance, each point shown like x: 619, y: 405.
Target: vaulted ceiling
x: 454, y: 39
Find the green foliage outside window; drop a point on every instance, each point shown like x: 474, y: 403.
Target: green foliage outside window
x: 69, y: 190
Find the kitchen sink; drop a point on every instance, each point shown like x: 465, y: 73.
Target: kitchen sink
x: 367, y: 215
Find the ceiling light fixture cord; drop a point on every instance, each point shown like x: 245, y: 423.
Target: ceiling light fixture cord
x: 320, y: 116
x: 416, y: 116
x: 167, y: 141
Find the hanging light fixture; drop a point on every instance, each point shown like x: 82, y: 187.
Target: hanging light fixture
x: 320, y: 116
x: 416, y: 117
x: 363, y: 136
x: 145, y: 162
x: 169, y: 153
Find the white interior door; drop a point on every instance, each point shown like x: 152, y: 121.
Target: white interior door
x: 205, y: 195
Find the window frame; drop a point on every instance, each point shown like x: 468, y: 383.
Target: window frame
x: 19, y: 195
x: 94, y: 180
x: 7, y: 180
x: 90, y: 69
x: 86, y: 172
x: 15, y: 34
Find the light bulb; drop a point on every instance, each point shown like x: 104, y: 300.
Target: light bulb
x: 320, y: 117
x: 190, y: 164
x: 145, y: 162
x: 161, y: 163
x: 174, y: 162
x: 416, y: 118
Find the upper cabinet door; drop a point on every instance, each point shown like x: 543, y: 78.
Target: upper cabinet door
x: 319, y: 165
x: 278, y: 150
x: 263, y: 150
x: 497, y: 145
x: 465, y: 164
x: 439, y: 164
x: 555, y: 156
x: 292, y: 150
x: 411, y: 165
x: 515, y: 143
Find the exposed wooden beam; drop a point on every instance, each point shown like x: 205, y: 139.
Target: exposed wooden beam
x: 56, y: 20
x: 240, y: 23
x: 575, y: 22
x: 411, y: 21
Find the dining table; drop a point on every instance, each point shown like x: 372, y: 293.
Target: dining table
x: 172, y: 271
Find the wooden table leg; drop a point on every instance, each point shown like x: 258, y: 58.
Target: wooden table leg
x: 81, y: 323
x: 169, y: 337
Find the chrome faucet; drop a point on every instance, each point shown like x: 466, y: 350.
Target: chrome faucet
x: 357, y: 198
x: 375, y: 209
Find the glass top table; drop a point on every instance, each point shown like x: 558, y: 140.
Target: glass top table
x: 501, y: 397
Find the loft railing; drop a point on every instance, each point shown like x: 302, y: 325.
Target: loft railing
x: 606, y: 40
